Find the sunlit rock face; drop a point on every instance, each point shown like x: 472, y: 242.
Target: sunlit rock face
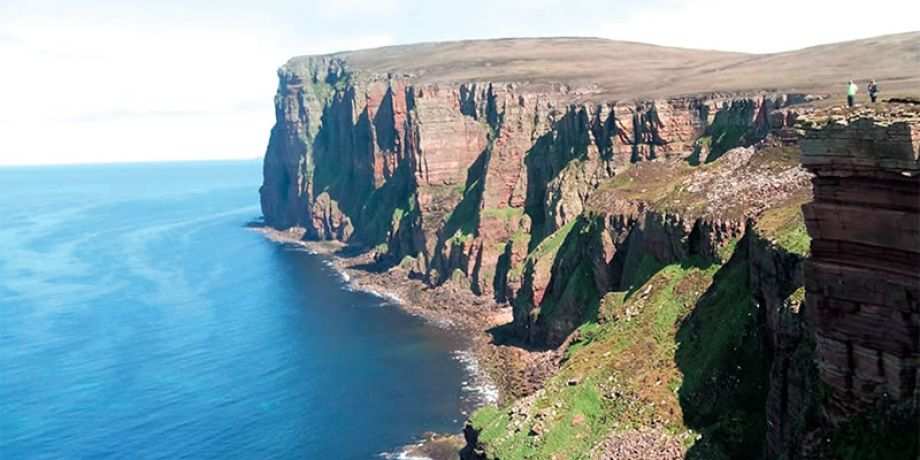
x: 465, y: 178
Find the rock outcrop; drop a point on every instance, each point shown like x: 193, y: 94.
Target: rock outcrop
x: 863, y: 279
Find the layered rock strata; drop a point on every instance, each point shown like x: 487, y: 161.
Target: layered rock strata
x: 863, y: 279
x: 461, y: 181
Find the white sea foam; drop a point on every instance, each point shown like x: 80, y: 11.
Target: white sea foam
x: 343, y: 274
x: 388, y: 297
x: 443, y: 323
x: 402, y: 455
x: 479, y: 388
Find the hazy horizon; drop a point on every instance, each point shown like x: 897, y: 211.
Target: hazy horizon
x: 106, y: 82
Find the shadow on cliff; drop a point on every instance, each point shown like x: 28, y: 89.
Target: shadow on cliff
x: 641, y: 268
x: 507, y: 335
x: 552, y: 152
x: 725, y: 360
x: 356, y: 250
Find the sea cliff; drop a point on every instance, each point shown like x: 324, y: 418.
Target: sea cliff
x: 647, y: 280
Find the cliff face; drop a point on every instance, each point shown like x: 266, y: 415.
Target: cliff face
x: 774, y: 354
x: 529, y: 196
x: 462, y: 181
x: 658, y: 245
x: 863, y: 279
x: 651, y: 215
x: 695, y: 269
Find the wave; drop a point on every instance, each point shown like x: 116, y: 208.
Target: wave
x: 403, y: 454
x: 343, y: 274
x: 479, y: 388
x: 388, y: 297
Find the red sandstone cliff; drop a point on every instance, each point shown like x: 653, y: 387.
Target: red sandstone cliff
x: 552, y: 193
x: 458, y: 176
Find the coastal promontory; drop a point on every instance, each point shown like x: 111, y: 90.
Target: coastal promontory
x: 621, y: 228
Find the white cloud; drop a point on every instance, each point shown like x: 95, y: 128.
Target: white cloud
x: 76, y: 92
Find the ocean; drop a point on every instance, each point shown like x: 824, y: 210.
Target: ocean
x: 140, y: 318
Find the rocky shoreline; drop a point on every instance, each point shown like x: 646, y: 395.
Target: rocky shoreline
x: 499, y: 371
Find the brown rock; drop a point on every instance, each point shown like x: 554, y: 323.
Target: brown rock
x: 863, y: 280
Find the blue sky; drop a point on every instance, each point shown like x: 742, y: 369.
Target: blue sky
x: 104, y: 80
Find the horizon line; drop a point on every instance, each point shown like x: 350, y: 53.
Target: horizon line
x: 129, y: 162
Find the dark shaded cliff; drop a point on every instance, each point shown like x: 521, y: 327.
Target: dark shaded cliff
x: 863, y: 279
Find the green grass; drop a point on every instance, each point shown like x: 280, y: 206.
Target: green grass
x: 319, y: 90
x: 726, y: 138
x: 551, y: 244
x: 458, y: 189
x: 798, y: 296
x: 463, y: 222
x: 579, y: 292
x: 605, y: 360
x: 384, y: 210
x: 460, y: 237
x: 725, y: 366
x: 577, y: 419
x: 701, y: 353
x: 785, y: 226
x: 543, y: 255
x: 647, y: 267
x: 519, y: 239
x: 491, y: 422
x: 795, y: 240
x: 504, y: 214
x: 681, y: 347
x: 726, y: 251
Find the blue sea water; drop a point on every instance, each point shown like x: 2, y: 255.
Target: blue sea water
x: 140, y: 318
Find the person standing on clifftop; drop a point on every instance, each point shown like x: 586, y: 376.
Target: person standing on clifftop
x: 851, y: 93
x: 873, y: 91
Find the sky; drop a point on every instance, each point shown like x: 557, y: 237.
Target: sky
x: 89, y: 81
